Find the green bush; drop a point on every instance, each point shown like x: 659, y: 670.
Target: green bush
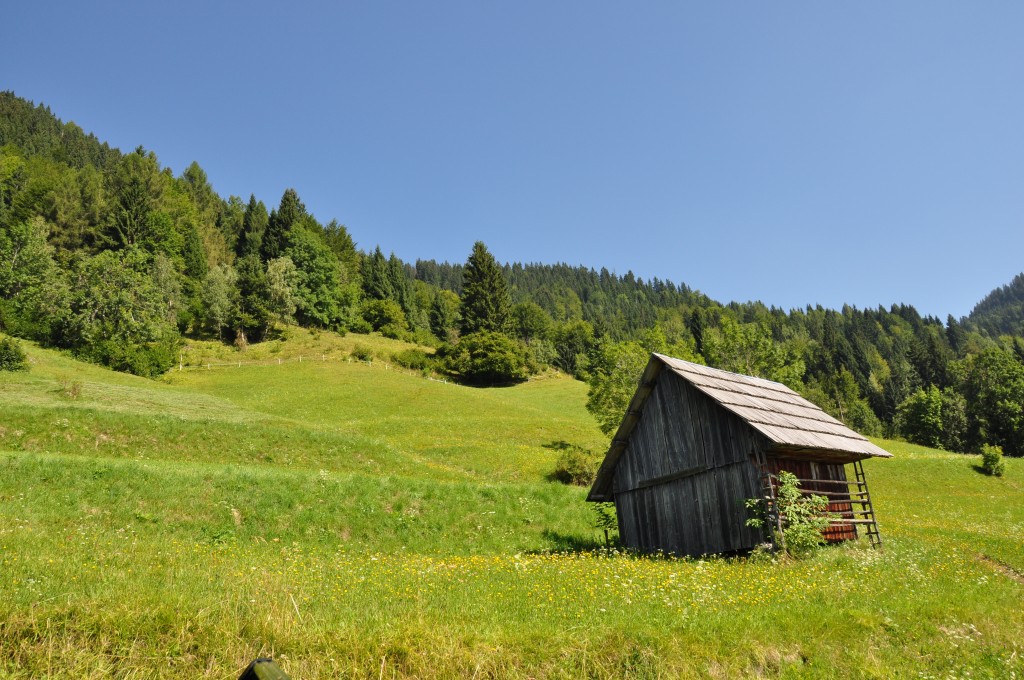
x: 576, y: 465
x: 992, y: 460
x: 606, y: 520
x: 360, y: 325
x: 362, y: 353
x: 148, y: 360
x: 394, y: 331
x: 415, y: 359
x: 12, y: 356
x: 803, y: 518
x: 486, y: 358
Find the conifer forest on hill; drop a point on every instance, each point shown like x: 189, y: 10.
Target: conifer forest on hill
x: 308, y: 483
x: 110, y: 256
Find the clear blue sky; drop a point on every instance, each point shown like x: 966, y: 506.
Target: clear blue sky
x: 813, y: 152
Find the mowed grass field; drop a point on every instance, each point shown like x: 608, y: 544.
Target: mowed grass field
x: 355, y: 520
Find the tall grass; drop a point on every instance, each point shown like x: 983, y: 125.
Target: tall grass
x: 357, y: 522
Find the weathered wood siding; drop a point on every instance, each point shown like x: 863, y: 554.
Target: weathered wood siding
x: 681, y: 483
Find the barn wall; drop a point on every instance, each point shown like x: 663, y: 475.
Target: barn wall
x: 684, y: 433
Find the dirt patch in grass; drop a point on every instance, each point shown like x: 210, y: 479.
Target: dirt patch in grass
x: 1003, y: 568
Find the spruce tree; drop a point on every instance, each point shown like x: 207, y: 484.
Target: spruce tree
x: 377, y: 284
x: 254, y: 224
x: 279, y: 226
x: 486, y: 302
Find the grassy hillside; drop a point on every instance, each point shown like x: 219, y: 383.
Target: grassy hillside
x: 359, y: 521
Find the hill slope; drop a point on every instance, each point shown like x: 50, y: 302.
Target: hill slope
x: 1001, y: 312
x: 353, y: 520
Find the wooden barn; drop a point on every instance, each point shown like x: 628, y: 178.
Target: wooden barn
x: 696, y: 442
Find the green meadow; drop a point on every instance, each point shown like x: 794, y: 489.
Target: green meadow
x: 357, y: 519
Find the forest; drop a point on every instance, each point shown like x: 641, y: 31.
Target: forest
x: 112, y: 257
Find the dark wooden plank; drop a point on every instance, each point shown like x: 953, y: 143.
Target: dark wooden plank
x: 677, y: 417
x: 674, y: 490
x: 689, y: 521
x: 695, y: 399
x: 693, y: 447
x: 668, y: 410
x: 725, y: 479
x: 645, y: 444
x: 709, y: 432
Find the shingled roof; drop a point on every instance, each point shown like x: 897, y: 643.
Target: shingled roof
x: 792, y: 425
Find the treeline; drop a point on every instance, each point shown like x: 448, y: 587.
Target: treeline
x: 114, y: 258
x: 1002, y: 310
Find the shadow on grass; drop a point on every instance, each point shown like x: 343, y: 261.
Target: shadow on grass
x: 574, y: 543
x: 563, y: 477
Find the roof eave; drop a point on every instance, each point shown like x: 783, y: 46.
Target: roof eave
x: 835, y: 455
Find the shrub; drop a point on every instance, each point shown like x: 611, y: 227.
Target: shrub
x: 415, y: 359
x: 992, y: 460
x: 803, y: 518
x: 606, y: 520
x: 394, y: 331
x: 362, y: 353
x: 148, y: 360
x: 576, y: 465
x: 12, y: 356
x: 360, y: 325
x: 486, y: 358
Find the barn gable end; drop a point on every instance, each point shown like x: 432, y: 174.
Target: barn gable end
x: 680, y: 481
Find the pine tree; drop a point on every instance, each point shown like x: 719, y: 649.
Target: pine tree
x: 486, y: 302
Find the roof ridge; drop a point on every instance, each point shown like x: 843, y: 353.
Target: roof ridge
x: 757, y: 378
